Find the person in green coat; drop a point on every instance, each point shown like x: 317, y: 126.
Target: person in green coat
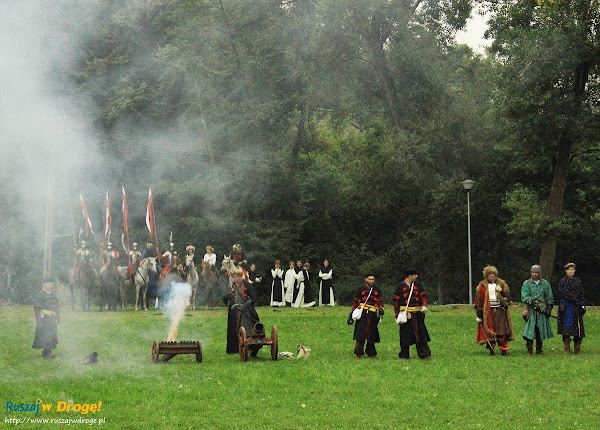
x: 536, y: 293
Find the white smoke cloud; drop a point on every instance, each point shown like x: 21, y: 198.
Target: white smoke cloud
x: 177, y: 301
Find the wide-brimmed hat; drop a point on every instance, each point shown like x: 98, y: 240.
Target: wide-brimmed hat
x: 187, y: 248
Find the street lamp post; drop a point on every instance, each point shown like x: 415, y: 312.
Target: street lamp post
x: 468, y: 185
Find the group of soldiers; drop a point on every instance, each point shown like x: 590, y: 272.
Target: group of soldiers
x: 492, y: 307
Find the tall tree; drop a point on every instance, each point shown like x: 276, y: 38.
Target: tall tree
x: 551, y: 52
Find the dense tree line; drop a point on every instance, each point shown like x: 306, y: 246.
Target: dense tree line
x: 315, y: 129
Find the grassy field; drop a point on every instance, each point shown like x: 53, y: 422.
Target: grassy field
x: 461, y: 387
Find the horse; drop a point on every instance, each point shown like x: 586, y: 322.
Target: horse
x: 145, y: 269
x: 125, y: 282
x: 191, y: 277
x: 208, y: 280
x: 86, y: 280
x: 228, y: 266
x: 109, y: 286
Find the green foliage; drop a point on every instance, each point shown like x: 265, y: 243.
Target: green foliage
x: 528, y: 213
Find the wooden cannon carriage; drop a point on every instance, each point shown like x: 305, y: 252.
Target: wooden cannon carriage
x: 171, y: 349
x: 250, y: 343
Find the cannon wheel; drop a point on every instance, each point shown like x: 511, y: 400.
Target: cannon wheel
x: 243, y: 344
x: 199, y: 354
x: 275, y: 343
x: 155, y: 352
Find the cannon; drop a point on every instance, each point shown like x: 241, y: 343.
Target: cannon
x: 171, y: 349
x: 250, y: 343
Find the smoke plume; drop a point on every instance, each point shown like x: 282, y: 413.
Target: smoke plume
x: 177, y: 301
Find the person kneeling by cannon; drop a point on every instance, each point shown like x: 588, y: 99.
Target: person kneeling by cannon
x: 241, y: 312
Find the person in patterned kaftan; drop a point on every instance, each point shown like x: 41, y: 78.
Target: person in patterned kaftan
x: 571, y: 309
x: 413, y: 332
x: 492, y: 299
x: 369, y: 297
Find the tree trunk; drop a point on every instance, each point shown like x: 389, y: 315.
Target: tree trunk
x: 383, y: 71
x: 561, y: 168
x: 554, y: 206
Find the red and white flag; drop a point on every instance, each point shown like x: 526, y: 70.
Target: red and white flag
x: 150, y: 214
x: 86, y: 216
x: 107, y: 216
x: 125, y: 210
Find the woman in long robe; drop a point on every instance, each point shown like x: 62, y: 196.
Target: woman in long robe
x: 326, y: 285
x: 289, y: 282
x: 304, y: 297
x: 277, y: 291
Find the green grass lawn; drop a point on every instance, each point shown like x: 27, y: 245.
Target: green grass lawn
x: 461, y: 387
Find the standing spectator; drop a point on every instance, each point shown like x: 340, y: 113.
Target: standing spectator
x: 368, y: 296
x: 492, y: 299
x: 571, y: 309
x: 289, y: 283
x: 326, y: 285
x: 277, y: 291
x: 413, y: 332
x: 304, y: 297
x: 252, y: 276
x: 536, y: 293
x: 47, y: 317
x: 254, y: 279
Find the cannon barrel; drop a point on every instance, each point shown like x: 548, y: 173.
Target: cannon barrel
x: 258, y: 330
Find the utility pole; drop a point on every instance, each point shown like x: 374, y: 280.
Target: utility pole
x: 49, y: 230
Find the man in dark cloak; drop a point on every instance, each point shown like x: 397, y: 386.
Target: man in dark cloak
x: 241, y: 312
x: 47, y: 317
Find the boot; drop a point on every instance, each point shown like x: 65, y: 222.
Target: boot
x: 567, y: 343
x: 538, y: 348
x: 529, y: 345
x: 577, y: 347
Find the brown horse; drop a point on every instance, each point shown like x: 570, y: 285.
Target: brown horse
x: 208, y: 279
x: 86, y: 279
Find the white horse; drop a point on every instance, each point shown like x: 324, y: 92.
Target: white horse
x: 146, y: 269
x: 228, y: 266
x: 192, y: 278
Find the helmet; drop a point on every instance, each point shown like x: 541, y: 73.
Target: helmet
x: 135, y: 244
x: 82, y: 244
x: 109, y: 245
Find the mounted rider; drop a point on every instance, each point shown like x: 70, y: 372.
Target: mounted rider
x: 168, y: 255
x: 82, y: 256
x: 190, y: 258
x: 135, y: 258
x: 108, y: 256
x: 237, y: 256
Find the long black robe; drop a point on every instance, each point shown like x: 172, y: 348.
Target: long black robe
x: 241, y: 313
x: 46, y: 334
